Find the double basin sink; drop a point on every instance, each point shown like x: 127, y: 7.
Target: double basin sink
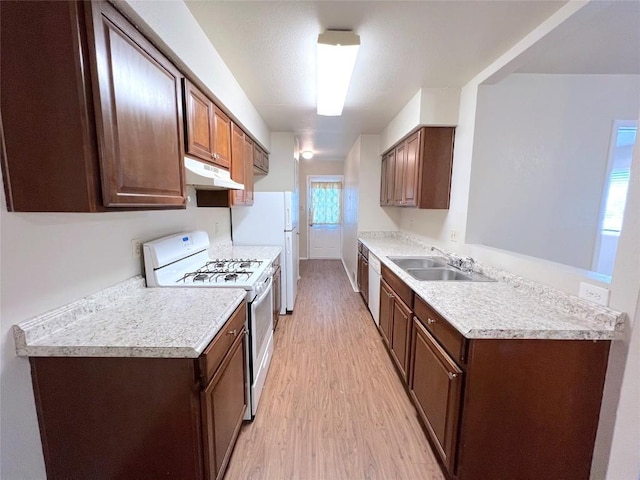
x: 436, y: 269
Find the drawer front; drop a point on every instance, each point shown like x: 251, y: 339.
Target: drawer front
x: 453, y: 341
x: 215, y: 352
x: 398, y: 286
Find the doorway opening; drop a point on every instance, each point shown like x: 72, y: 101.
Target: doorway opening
x: 614, y: 196
x: 324, y: 201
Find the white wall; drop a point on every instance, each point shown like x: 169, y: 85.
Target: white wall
x: 282, y: 165
x: 619, y: 430
x: 402, y: 123
x: 312, y: 167
x: 540, y: 162
x: 180, y: 31
x: 49, y: 260
x: 351, y: 208
x: 429, y: 106
x: 371, y: 215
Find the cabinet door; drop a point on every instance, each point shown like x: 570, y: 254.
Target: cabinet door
x: 435, y: 167
x: 260, y: 161
x: 384, y: 186
x: 140, y: 135
x: 435, y: 386
x: 222, y: 138
x: 265, y: 161
x: 398, y: 173
x: 276, y: 297
x: 386, y: 312
x: 199, y: 113
x: 400, y: 338
x: 248, y: 171
x: 387, y: 178
x: 238, y: 164
x: 365, y: 279
x: 411, y: 168
x: 223, y: 405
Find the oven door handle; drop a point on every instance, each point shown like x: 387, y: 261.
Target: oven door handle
x: 263, y: 295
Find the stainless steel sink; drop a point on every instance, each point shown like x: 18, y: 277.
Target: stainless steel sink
x: 436, y: 269
x: 445, y: 274
x: 419, y: 262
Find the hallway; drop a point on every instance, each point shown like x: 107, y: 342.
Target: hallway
x: 333, y: 407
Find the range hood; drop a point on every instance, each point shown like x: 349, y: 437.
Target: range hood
x: 207, y: 177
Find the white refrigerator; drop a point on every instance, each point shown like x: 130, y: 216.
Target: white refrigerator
x: 272, y: 220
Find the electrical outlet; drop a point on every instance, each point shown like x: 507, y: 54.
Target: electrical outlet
x: 594, y: 293
x: 136, y: 248
x: 453, y: 235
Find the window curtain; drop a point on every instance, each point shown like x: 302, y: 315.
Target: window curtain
x: 325, y: 203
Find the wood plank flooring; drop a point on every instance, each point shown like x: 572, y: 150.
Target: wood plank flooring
x: 333, y: 406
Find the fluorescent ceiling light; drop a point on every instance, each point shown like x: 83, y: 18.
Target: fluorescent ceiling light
x: 337, y: 52
x: 307, y: 154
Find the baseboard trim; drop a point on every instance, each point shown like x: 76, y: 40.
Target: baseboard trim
x: 353, y: 285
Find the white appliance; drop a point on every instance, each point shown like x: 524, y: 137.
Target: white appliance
x: 374, y: 287
x: 182, y: 260
x: 272, y: 220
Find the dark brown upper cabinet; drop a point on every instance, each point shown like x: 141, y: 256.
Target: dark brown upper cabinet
x: 416, y: 172
x: 387, y: 178
x: 260, y: 161
x: 208, y: 128
x: 91, y: 111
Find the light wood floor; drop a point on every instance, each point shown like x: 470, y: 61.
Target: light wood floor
x: 333, y: 406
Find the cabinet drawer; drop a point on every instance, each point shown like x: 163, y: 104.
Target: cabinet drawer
x: 213, y: 355
x: 398, y: 286
x: 453, y: 341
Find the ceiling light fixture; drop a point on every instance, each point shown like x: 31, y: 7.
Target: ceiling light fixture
x: 337, y: 52
x: 307, y: 154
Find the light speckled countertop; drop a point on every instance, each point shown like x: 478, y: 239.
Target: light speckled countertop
x: 512, y: 307
x: 130, y: 320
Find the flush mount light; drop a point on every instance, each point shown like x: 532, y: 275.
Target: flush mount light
x: 337, y: 52
x: 307, y: 154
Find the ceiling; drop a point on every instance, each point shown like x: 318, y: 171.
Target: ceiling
x: 269, y: 46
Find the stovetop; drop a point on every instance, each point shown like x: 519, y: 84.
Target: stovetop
x: 236, y: 272
x: 182, y: 260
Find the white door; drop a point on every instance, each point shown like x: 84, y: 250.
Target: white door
x: 325, y: 216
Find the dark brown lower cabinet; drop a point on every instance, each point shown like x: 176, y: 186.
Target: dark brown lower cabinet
x: 386, y: 313
x: 400, y: 339
x: 435, y: 387
x: 505, y: 409
x: 277, y: 292
x: 363, y: 277
x: 143, y: 418
x: 223, y: 406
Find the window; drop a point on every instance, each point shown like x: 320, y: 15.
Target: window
x: 325, y: 203
x: 618, y: 182
x: 614, y: 196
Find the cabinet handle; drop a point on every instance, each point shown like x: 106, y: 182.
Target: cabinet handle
x: 430, y: 321
x: 452, y: 375
x: 232, y: 332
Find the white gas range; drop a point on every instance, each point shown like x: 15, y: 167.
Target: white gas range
x: 182, y: 260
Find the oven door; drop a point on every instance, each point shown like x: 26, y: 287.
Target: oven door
x: 261, y: 340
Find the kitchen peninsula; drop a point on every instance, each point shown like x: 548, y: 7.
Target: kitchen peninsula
x: 506, y: 376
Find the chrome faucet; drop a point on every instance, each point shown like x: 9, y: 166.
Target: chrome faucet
x: 464, y: 264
